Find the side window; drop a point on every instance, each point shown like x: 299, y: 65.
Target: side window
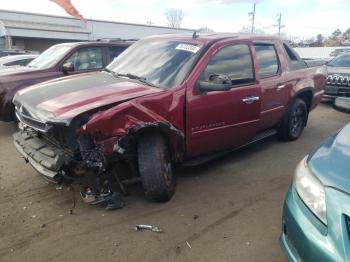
x: 267, y: 60
x: 87, y: 58
x: 11, y: 63
x: 234, y: 61
x: 115, y: 51
x: 25, y: 62
x: 22, y: 62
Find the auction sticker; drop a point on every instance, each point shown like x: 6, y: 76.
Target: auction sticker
x: 188, y: 47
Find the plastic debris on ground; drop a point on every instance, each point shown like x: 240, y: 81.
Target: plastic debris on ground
x: 148, y: 227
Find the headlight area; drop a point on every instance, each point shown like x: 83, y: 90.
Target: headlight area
x: 311, y: 190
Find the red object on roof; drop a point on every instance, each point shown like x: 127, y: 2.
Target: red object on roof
x: 69, y: 8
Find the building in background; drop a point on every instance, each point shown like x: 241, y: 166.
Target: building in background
x: 37, y: 32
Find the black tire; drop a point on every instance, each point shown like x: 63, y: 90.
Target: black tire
x: 293, y: 123
x: 155, y: 167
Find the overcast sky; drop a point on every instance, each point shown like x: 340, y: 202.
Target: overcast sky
x: 302, y: 18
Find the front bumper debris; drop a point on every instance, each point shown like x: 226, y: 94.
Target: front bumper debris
x: 45, y: 159
x: 112, y: 200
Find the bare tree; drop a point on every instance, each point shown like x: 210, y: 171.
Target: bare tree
x: 174, y: 17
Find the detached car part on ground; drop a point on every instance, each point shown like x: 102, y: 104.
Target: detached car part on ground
x: 168, y: 100
x: 316, y: 213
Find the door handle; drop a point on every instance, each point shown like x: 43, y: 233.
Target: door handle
x: 250, y: 99
x: 280, y: 87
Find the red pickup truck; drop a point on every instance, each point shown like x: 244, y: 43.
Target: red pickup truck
x: 167, y: 100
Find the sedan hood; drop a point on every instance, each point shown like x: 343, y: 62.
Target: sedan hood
x: 330, y: 161
x: 21, y: 70
x: 63, y: 99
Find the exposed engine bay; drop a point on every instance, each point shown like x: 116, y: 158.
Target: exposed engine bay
x: 62, y: 156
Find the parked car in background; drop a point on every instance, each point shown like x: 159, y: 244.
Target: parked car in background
x: 16, y: 61
x: 167, y: 100
x: 316, y: 213
x: 339, y: 51
x: 11, y: 52
x: 338, y: 77
x: 57, y: 61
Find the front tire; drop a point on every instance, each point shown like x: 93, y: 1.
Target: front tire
x: 155, y: 167
x: 292, y: 125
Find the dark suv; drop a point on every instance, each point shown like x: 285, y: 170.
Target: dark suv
x: 57, y: 61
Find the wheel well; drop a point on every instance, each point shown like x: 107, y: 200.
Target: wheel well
x: 173, y: 139
x: 307, y: 97
x: 149, y: 130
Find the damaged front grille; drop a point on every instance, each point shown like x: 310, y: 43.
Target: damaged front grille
x: 24, y: 117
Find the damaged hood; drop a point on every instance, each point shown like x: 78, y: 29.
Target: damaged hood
x: 63, y: 99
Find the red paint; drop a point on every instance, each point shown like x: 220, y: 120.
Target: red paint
x: 216, y: 120
x: 70, y: 105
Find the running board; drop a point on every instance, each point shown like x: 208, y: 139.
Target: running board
x: 206, y: 158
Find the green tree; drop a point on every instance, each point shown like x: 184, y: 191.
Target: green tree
x: 335, y: 39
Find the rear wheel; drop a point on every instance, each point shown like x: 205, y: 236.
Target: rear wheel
x: 155, y: 167
x: 292, y: 125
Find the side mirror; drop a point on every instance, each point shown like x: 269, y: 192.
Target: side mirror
x: 216, y: 82
x: 342, y: 104
x: 67, y: 67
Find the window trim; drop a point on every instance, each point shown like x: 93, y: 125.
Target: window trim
x: 279, y: 71
x: 249, y: 46
x: 293, y: 64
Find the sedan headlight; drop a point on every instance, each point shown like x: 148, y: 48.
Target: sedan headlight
x: 310, y: 190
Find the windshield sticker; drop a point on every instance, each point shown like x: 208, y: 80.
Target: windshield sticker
x: 187, y: 47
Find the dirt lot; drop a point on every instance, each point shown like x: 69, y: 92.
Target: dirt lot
x: 226, y: 210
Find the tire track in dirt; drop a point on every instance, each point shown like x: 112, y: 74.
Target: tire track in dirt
x: 210, y: 227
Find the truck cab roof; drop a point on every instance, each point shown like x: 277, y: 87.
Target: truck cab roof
x: 205, y: 38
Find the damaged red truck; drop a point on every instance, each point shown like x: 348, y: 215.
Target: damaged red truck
x: 167, y: 100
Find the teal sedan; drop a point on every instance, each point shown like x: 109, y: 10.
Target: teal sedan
x: 316, y: 213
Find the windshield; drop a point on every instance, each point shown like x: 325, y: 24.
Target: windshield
x: 161, y: 62
x: 341, y: 61
x: 50, y: 57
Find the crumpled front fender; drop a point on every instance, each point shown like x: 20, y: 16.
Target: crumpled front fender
x: 116, y: 129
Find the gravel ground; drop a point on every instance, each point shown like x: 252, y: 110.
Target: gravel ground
x: 226, y: 210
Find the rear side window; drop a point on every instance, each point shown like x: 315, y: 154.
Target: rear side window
x: 12, y: 63
x: 115, y: 51
x: 22, y: 62
x: 267, y: 60
x: 235, y: 61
